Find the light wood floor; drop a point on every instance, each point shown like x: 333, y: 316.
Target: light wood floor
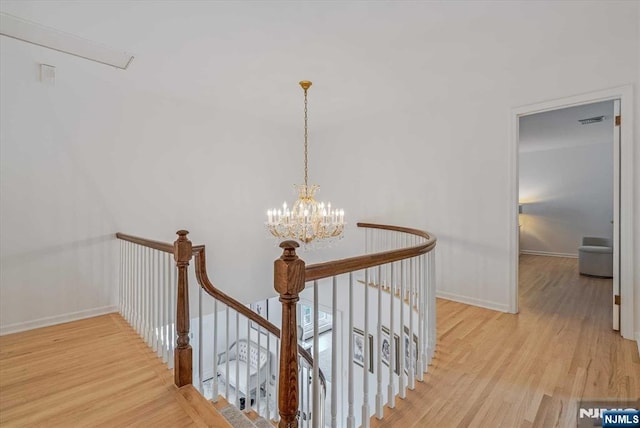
x: 92, y: 373
x: 493, y: 369
x: 490, y: 369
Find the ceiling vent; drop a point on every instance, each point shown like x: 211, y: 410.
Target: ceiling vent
x: 595, y: 119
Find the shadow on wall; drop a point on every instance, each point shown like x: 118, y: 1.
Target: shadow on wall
x: 18, y: 259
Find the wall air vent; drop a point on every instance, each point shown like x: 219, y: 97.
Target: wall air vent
x: 595, y: 119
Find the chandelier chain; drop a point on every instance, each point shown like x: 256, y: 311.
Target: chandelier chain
x: 306, y: 148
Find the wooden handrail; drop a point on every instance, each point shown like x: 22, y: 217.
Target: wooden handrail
x: 351, y: 264
x: 210, y: 289
x: 156, y: 245
x: 201, y: 274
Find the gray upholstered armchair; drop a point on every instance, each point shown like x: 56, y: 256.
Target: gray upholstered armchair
x: 595, y: 257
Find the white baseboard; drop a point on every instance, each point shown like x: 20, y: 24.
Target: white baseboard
x: 57, y: 319
x: 549, y: 254
x: 638, y: 341
x: 472, y: 301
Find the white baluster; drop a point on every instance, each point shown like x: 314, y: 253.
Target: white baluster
x: 412, y: 361
x: 172, y: 309
x: 247, y: 398
x: 432, y: 302
x: 200, y: 342
x: 134, y: 287
x: 214, y: 386
x: 366, y: 365
x: 402, y: 389
x: 226, y: 354
x: 379, y: 399
x: 391, y: 394
x: 125, y: 306
x: 154, y: 302
x: 351, y: 421
x: 315, y: 411
x: 145, y: 296
x: 166, y: 284
x: 150, y: 313
x: 307, y: 381
x: 139, y: 299
x: 160, y: 305
x: 120, y: 276
x: 277, y: 370
x: 258, y: 391
x: 420, y: 306
x: 335, y: 380
x: 237, y: 383
x: 141, y: 294
x: 267, y: 382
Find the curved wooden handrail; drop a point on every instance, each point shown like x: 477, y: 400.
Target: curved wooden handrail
x: 203, y: 279
x: 337, y: 267
x: 156, y: 245
x: 208, y: 287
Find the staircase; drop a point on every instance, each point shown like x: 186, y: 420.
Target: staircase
x: 380, y: 349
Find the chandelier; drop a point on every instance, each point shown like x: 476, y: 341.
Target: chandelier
x: 307, y: 220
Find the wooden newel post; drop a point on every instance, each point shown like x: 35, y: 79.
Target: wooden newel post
x: 288, y: 282
x: 183, y: 354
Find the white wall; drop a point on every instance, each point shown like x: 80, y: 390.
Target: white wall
x: 566, y: 179
x: 409, y: 125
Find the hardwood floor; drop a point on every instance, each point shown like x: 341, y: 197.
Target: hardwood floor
x: 92, y: 373
x: 493, y: 369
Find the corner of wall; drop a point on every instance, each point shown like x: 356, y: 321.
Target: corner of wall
x: 487, y: 304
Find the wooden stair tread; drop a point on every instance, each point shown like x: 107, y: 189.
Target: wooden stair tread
x: 204, y: 410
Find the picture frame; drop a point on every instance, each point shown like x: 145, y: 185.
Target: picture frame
x: 407, y: 360
x: 385, y: 349
x: 261, y: 307
x: 358, y: 348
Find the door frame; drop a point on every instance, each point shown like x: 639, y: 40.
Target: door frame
x: 623, y: 167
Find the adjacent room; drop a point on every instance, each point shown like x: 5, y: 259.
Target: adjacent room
x: 566, y: 204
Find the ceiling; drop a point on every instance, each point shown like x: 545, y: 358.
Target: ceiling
x: 560, y: 129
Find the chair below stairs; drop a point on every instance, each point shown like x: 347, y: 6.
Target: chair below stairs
x: 240, y: 354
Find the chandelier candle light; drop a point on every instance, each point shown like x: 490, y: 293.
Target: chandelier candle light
x: 308, y: 220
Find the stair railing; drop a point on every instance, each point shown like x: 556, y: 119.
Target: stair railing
x: 156, y: 292
x: 393, y: 323
x: 394, y: 281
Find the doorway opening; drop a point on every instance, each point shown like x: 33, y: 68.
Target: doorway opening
x: 566, y: 204
x: 622, y: 217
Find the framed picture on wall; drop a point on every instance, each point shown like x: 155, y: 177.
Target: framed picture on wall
x: 385, y: 349
x: 413, y: 361
x: 358, y: 348
x: 260, y: 307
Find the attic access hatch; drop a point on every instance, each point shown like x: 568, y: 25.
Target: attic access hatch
x: 31, y: 32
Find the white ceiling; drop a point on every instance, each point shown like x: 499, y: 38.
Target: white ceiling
x: 558, y: 129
